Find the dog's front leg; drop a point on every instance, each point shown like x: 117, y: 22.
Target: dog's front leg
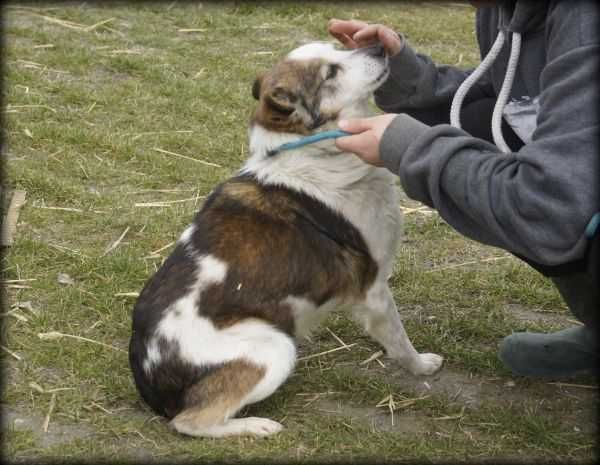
x: 380, y: 318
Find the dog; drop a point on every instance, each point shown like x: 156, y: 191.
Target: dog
x: 293, y: 235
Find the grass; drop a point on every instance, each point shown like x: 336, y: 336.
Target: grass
x: 87, y: 110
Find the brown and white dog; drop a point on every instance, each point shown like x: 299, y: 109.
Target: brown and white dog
x: 294, y: 235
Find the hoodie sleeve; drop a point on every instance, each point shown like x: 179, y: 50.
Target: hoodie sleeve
x: 415, y: 81
x: 538, y: 201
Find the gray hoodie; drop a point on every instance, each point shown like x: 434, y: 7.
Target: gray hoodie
x: 535, y: 202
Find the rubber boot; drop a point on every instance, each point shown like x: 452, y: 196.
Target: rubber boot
x: 560, y: 354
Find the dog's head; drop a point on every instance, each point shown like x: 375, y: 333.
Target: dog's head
x: 316, y: 85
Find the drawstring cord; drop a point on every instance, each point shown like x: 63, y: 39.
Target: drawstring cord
x: 483, y: 67
x: 513, y: 60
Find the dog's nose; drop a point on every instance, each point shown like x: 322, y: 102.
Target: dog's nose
x: 377, y: 51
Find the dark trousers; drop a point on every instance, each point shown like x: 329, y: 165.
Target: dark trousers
x: 577, y: 282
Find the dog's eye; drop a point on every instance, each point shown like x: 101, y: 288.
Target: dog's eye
x: 332, y: 71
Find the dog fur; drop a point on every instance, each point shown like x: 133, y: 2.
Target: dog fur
x: 294, y: 235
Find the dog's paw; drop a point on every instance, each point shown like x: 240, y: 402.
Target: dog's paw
x: 427, y: 364
x: 261, y: 426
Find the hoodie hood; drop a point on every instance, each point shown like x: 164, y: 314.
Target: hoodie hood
x: 521, y: 16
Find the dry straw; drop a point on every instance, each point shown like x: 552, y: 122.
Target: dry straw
x: 52, y: 335
x: 185, y: 157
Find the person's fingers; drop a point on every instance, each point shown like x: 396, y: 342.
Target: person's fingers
x: 355, y: 34
x: 378, y: 33
x: 364, y: 145
x: 345, y: 40
x: 366, y: 36
x: 345, y: 27
x: 390, y: 40
x: 361, y: 142
x: 355, y: 125
x: 344, y: 30
x: 357, y: 143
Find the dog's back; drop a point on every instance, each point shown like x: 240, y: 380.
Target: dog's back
x: 212, y: 329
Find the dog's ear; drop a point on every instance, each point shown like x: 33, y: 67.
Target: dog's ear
x: 278, y: 107
x: 282, y: 101
x: 257, y: 85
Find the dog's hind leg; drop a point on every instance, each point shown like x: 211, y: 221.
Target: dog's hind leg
x: 380, y: 318
x: 212, y: 403
x: 195, y: 423
x: 218, y: 397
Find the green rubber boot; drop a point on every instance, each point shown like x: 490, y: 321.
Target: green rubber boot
x: 560, y: 354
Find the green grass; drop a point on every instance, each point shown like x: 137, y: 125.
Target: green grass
x: 87, y: 111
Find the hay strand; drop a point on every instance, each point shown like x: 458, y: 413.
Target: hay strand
x: 185, y: 157
x: 63, y: 22
x: 64, y: 209
x: 375, y: 356
x: 161, y: 191
x: 337, y: 338
x: 98, y: 24
x: 50, y: 409
x: 64, y: 249
x: 127, y: 294
x: 166, y: 203
x: 471, y: 262
x: 308, y: 357
x: 116, y: 243
x: 423, y: 210
x: 46, y: 107
x: 164, y: 247
x: 11, y: 353
x: 41, y: 390
x: 58, y: 335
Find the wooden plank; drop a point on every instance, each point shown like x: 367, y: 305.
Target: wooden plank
x: 9, y: 223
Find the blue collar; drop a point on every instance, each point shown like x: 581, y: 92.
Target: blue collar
x: 309, y: 140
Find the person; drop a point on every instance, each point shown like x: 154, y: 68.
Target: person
x: 507, y: 153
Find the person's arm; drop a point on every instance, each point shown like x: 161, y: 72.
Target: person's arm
x: 416, y: 82
x: 536, y: 202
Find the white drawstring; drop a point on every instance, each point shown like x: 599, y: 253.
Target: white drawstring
x: 485, y: 64
x: 513, y: 60
x: 464, y: 88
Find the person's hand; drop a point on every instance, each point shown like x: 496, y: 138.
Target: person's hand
x: 367, y: 134
x: 357, y: 34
